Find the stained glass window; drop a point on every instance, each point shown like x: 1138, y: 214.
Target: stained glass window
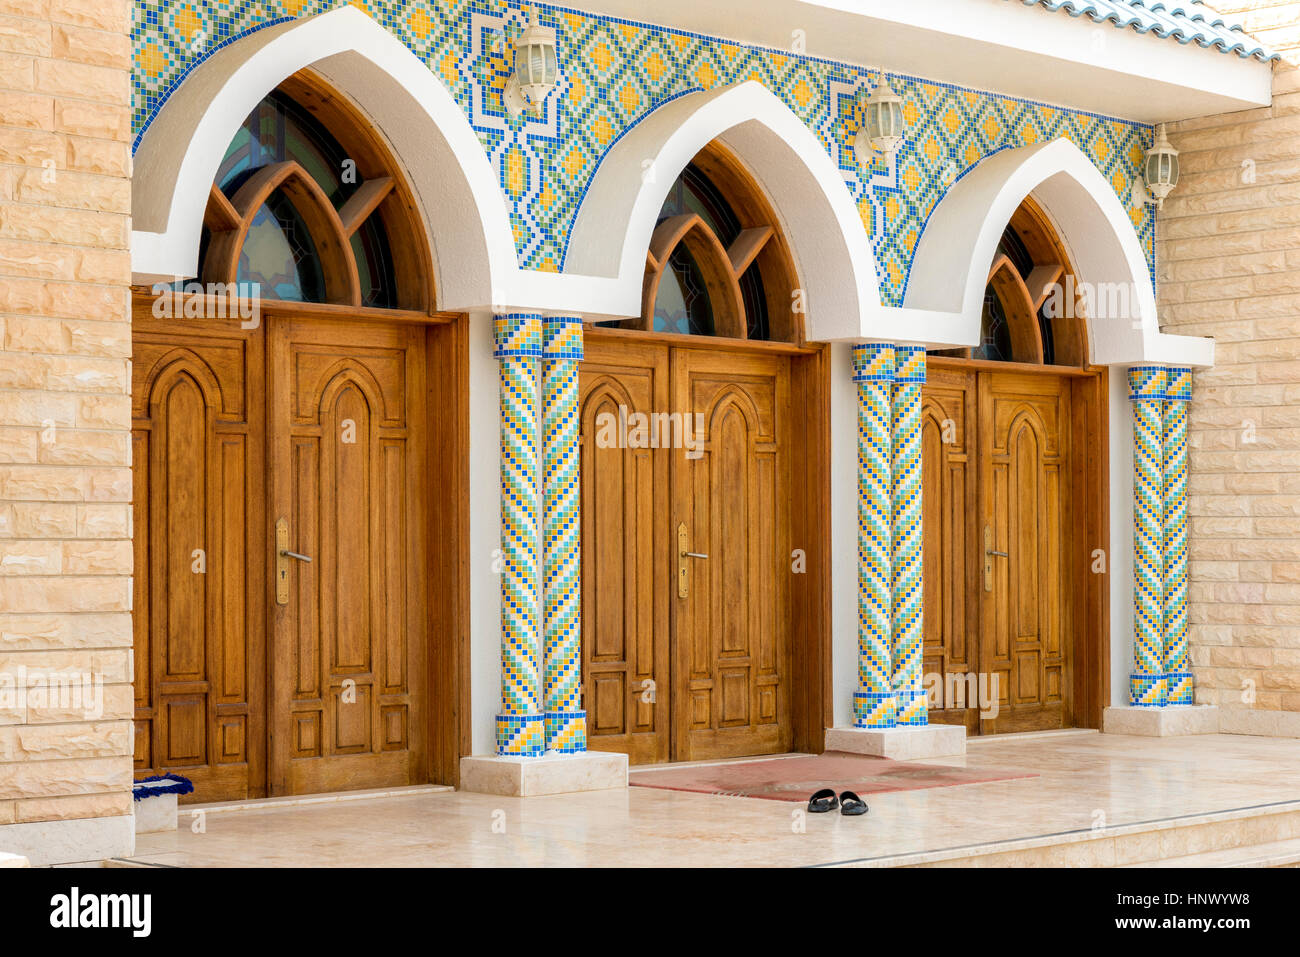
x: 278, y: 252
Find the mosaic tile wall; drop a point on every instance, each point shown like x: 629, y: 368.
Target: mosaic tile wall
x: 615, y: 71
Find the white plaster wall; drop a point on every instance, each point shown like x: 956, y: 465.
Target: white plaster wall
x: 1121, y: 537
x: 484, y: 535
x: 844, y: 534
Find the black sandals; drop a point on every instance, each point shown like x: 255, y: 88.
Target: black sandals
x: 851, y: 805
x: 823, y: 801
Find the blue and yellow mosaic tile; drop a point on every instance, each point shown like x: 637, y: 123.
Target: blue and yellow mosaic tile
x: 614, y: 71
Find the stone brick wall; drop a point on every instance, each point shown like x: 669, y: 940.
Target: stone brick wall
x: 65, y: 479
x: 1228, y: 261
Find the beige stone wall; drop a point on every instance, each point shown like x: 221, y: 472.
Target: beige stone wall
x: 65, y: 479
x: 1228, y: 254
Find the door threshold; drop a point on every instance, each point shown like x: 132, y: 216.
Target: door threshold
x: 743, y: 759
x: 329, y: 797
x: 1028, y: 735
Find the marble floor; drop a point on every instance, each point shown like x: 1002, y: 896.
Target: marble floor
x: 1084, y: 779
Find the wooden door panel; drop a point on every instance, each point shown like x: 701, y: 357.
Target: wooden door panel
x: 731, y: 632
x: 198, y: 645
x: 625, y: 584
x: 346, y: 439
x: 949, y: 454
x: 1024, y: 424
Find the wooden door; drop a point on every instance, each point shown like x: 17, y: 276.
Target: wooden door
x: 625, y: 553
x: 949, y: 457
x: 731, y: 682
x: 199, y: 562
x: 1025, y: 626
x: 346, y: 446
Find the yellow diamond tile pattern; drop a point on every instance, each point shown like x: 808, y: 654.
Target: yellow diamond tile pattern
x: 615, y: 71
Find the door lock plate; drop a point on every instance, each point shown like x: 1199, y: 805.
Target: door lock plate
x: 683, y: 546
x: 281, y: 562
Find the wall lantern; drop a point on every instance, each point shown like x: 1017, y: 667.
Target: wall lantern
x: 1160, y: 170
x: 536, y: 69
x: 882, y: 125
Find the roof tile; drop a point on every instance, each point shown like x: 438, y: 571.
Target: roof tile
x: 1187, y: 22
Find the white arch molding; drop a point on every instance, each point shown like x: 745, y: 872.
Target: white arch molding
x: 461, y: 204
x: 951, y: 262
x: 467, y: 221
x: 831, y: 249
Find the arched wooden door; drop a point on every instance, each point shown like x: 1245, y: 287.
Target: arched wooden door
x: 347, y: 632
x: 291, y: 467
x: 1014, y: 470
x: 686, y: 656
x: 1026, y: 607
x: 731, y: 503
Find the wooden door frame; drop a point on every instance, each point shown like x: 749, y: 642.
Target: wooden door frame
x: 1089, y: 490
x: 447, y: 653
x: 809, y: 503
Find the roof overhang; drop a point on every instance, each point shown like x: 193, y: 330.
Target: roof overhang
x: 1027, y: 52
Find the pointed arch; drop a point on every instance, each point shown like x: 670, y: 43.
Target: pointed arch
x: 455, y: 188
x: 183, y: 362
x: 828, y: 242
x: 950, y: 267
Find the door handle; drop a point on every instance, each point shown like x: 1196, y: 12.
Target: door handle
x: 282, y: 556
x: 684, y: 552
x: 989, y: 552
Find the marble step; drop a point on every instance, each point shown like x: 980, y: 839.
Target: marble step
x: 1140, y: 844
x: 1272, y: 854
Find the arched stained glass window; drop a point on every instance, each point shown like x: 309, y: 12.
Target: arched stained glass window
x: 304, y: 217
x: 717, y: 266
x: 1017, y: 324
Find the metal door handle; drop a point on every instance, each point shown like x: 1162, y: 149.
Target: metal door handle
x: 989, y: 552
x: 282, y: 556
x: 684, y: 552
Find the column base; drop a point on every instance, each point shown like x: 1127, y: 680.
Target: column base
x: 1178, y: 688
x: 553, y: 774
x: 521, y: 735
x: 874, y: 709
x: 914, y: 743
x: 566, y: 731
x: 1161, y: 722
x: 1147, y: 691
x: 913, y: 709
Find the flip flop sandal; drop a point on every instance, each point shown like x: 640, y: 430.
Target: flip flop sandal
x: 851, y: 805
x: 823, y: 801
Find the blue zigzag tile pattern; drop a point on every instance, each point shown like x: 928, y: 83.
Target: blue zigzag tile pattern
x: 615, y: 71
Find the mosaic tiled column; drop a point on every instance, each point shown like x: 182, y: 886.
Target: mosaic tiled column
x: 1146, y: 392
x: 905, y: 548
x: 873, y: 701
x: 566, y: 722
x: 520, y: 729
x: 1177, y: 667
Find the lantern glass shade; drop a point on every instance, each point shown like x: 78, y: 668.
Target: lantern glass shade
x: 885, y: 119
x: 535, y: 61
x: 1160, y: 170
x: 883, y: 123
